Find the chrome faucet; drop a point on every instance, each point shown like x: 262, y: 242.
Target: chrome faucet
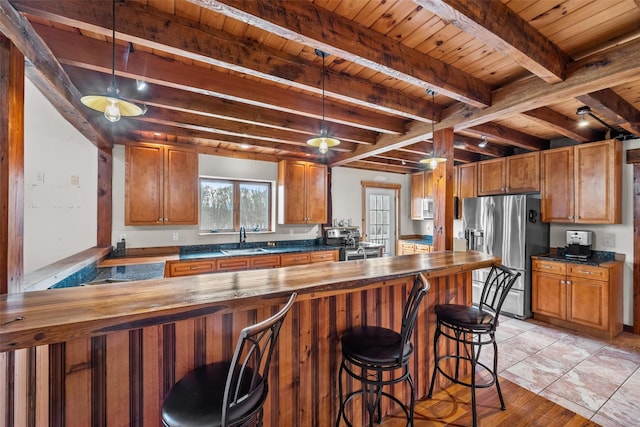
x: 243, y: 235
x: 364, y: 252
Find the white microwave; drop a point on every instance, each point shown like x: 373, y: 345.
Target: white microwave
x: 427, y: 208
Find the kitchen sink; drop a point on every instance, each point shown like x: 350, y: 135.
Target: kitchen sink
x: 246, y: 251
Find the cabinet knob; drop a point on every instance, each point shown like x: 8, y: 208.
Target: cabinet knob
x: 568, y: 282
x: 562, y: 282
x: 159, y: 219
x: 569, y: 217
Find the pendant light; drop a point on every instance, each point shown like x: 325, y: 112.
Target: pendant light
x: 323, y: 141
x: 111, y: 103
x: 434, y: 160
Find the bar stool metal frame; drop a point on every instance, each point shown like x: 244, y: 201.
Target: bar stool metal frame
x: 472, y: 328
x: 196, y: 400
x: 371, y: 353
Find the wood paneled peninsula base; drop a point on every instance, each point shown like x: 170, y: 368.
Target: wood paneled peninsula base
x: 107, y: 354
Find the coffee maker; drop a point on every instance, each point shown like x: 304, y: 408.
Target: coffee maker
x: 578, y: 244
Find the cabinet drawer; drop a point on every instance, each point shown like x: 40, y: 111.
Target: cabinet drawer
x: 423, y: 249
x: 406, y: 248
x: 232, y: 264
x: 549, y: 266
x: 324, y: 256
x: 270, y: 261
x: 190, y: 268
x: 588, y: 272
x: 294, y: 259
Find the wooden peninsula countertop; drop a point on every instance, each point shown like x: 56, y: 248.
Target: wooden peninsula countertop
x: 51, y: 316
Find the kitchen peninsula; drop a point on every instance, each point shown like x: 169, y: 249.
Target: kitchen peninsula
x: 107, y: 354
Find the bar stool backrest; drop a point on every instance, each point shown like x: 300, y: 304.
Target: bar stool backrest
x: 410, y: 312
x: 495, y: 290
x: 249, y: 370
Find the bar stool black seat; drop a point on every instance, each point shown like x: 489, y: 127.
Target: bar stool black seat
x: 471, y: 328
x: 378, y: 357
x: 228, y: 393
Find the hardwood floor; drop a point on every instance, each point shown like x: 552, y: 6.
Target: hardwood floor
x: 452, y: 407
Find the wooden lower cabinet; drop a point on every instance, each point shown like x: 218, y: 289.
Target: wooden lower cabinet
x: 217, y: 265
x: 409, y: 248
x: 582, y: 297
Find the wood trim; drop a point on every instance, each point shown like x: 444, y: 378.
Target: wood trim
x: 105, y: 200
x: 636, y: 245
x: 374, y: 184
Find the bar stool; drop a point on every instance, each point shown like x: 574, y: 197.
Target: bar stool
x: 378, y: 357
x: 228, y: 393
x: 472, y: 327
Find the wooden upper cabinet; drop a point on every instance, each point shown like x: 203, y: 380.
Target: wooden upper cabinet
x: 598, y: 182
x: 467, y: 180
x: 302, y: 192
x: 556, y: 169
x: 582, y: 183
x: 161, y: 185
x: 491, y: 177
x: 523, y: 173
x: 417, y: 191
x: 509, y: 175
x: 421, y: 188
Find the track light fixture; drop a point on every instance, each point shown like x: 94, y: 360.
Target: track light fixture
x: 323, y: 141
x: 111, y: 103
x: 434, y: 160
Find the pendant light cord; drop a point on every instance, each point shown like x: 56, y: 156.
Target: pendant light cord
x: 324, y: 129
x: 113, y: 45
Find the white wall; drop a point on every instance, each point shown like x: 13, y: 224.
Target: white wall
x: 346, y: 194
x: 60, y: 179
x: 621, y: 233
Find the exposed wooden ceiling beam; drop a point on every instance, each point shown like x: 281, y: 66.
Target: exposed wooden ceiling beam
x: 562, y: 124
x: 471, y: 144
x: 364, y: 164
x: 96, y: 55
x: 46, y: 73
x: 509, y: 136
x: 613, y: 109
x: 309, y: 24
x: 179, y: 100
x: 139, y: 24
x: 614, y: 66
x: 496, y: 25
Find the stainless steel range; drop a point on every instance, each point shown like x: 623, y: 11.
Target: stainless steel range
x: 347, y: 239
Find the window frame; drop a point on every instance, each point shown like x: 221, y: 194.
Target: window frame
x: 236, y: 182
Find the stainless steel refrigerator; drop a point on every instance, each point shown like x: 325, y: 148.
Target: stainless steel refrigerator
x: 508, y: 227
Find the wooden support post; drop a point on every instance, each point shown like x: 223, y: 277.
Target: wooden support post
x: 11, y: 167
x: 105, y: 200
x: 443, y: 192
x: 633, y: 157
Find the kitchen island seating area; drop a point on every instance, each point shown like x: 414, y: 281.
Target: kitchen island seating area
x: 378, y: 357
x: 107, y: 355
x: 199, y: 400
x: 471, y: 328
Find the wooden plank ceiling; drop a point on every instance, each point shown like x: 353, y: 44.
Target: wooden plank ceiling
x: 241, y: 78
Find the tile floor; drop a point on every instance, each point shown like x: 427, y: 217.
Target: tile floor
x: 598, y: 379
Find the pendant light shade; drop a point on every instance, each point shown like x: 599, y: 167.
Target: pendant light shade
x: 323, y: 141
x: 111, y: 103
x: 434, y: 160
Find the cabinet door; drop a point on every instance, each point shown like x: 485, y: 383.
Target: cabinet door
x: 232, y: 264
x: 316, y: 209
x: 265, y: 261
x: 556, y: 168
x: 144, y: 185
x: 181, y: 193
x: 467, y: 180
x: 428, y: 184
x: 588, y: 302
x: 523, y: 173
x: 549, y: 294
x: 417, y: 190
x: 291, y: 189
x: 491, y: 177
x: 406, y: 248
x: 189, y: 268
x: 598, y: 180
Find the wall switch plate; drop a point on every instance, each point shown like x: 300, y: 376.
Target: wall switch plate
x: 609, y: 240
x: 75, y: 180
x: 176, y: 235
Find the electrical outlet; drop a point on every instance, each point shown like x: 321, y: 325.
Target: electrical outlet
x: 609, y: 240
x: 176, y: 236
x: 123, y: 237
x: 75, y: 180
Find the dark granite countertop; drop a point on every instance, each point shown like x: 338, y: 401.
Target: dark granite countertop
x: 280, y: 247
x: 596, y: 258
x: 426, y: 240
